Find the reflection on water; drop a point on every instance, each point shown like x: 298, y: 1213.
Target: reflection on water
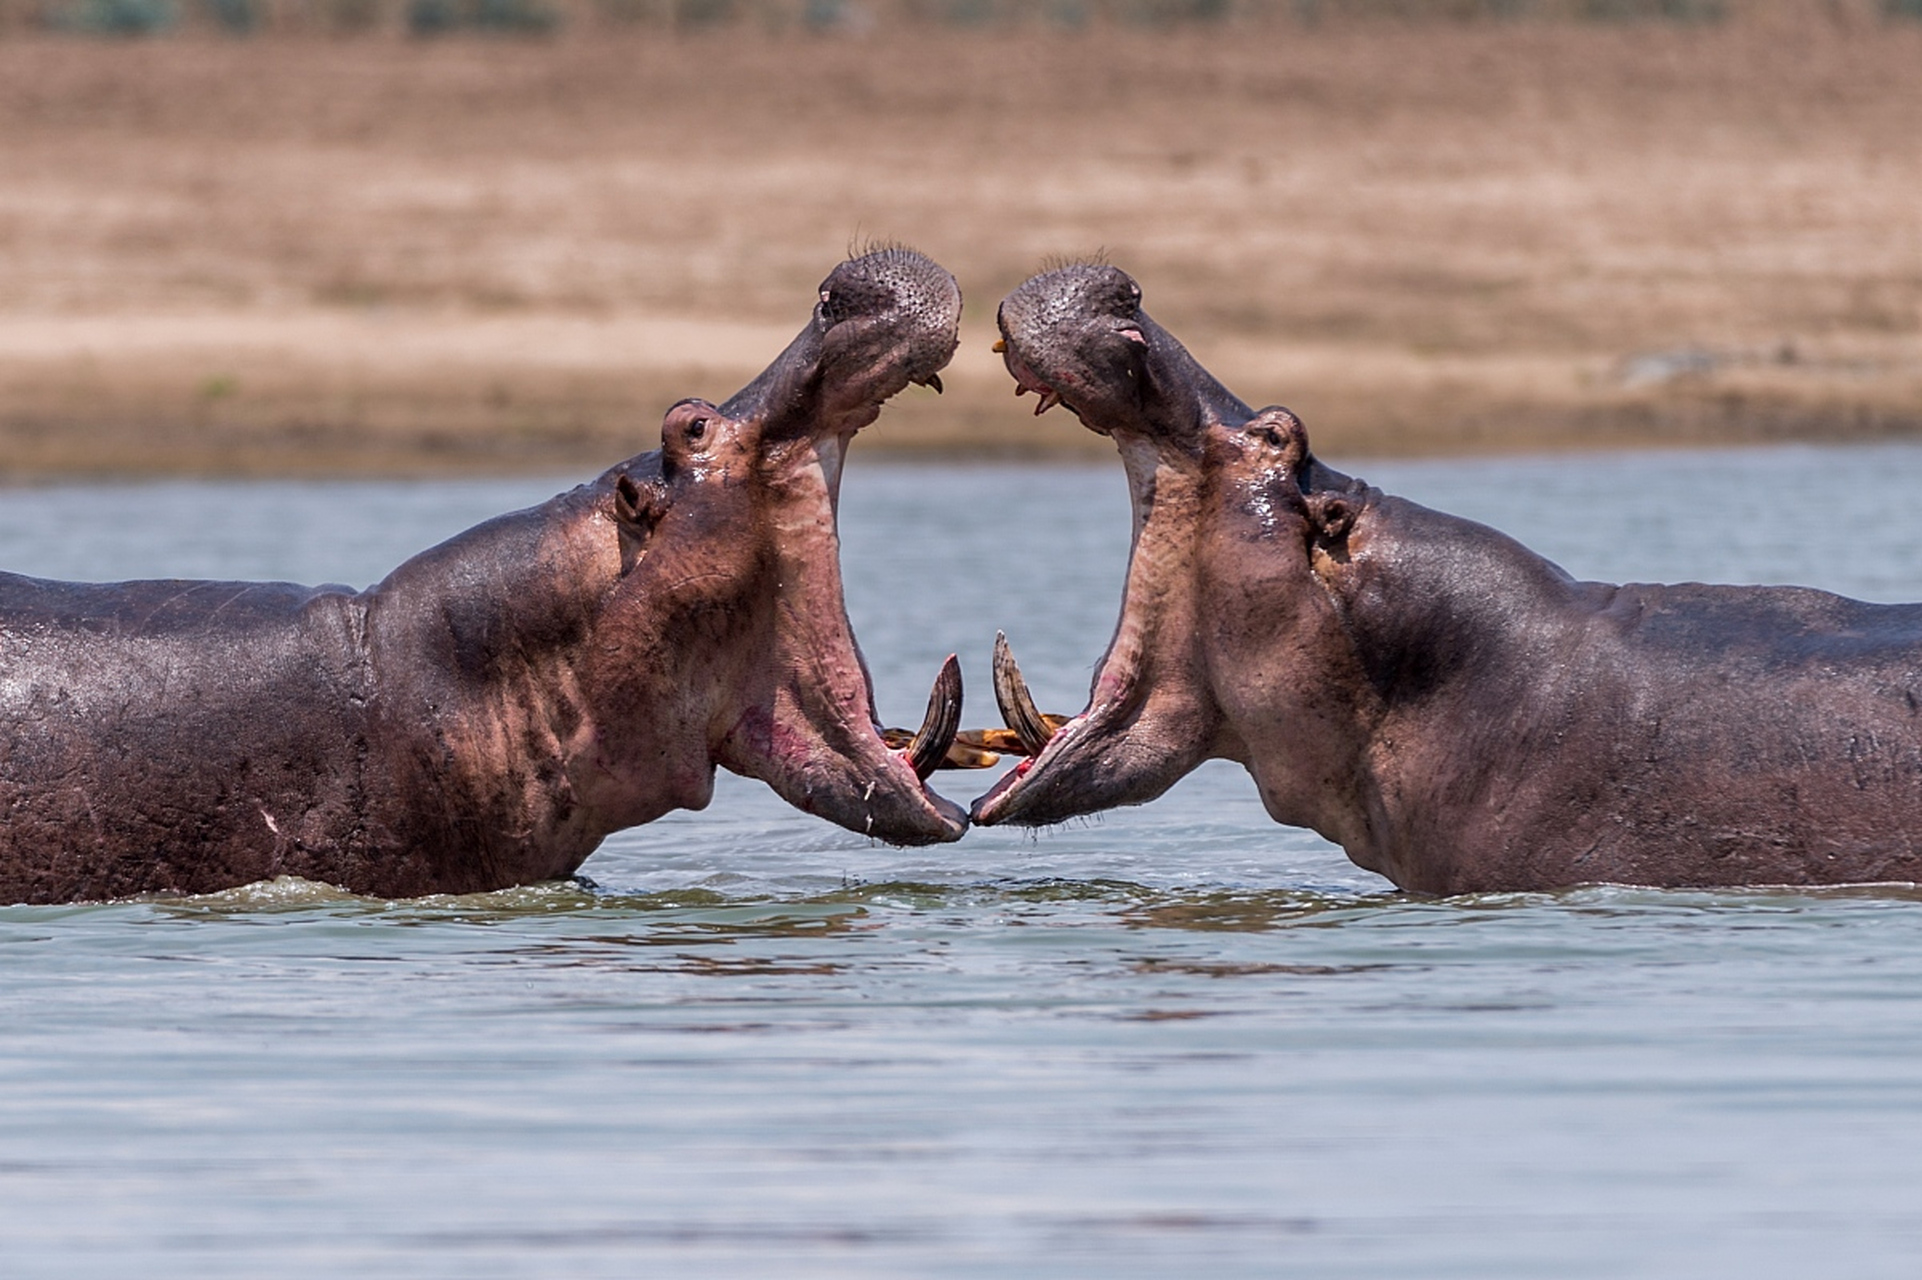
x: 1172, y: 1040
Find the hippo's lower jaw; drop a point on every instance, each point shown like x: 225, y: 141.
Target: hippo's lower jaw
x: 854, y: 780
x: 809, y: 731
x: 1034, y: 733
x: 1133, y: 742
x: 1006, y: 802
x: 1137, y: 735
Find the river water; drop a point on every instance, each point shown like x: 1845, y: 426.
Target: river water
x: 1174, y: 1040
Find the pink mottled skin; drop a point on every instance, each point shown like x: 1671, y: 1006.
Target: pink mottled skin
x: 1455, y: 711
x: 492, y: 710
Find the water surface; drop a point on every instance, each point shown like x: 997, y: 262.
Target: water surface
x: 1174, y: 1040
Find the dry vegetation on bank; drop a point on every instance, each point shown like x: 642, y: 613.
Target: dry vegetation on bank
x: 304, y: 254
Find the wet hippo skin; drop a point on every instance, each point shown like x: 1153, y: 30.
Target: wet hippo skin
x: 1452, y: 709
x: 494, y: 708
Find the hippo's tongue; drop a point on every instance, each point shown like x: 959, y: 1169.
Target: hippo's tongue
x: 832, y: 452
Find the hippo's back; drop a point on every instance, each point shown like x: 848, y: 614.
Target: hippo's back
x: 153, y: 607
x: 1767, y: 629
x: 1691, y: 735
x: 173, y: 735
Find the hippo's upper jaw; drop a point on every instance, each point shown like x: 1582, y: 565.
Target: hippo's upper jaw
x: 1077, y: 336
x: 495, y: 707
x: 882, y: 322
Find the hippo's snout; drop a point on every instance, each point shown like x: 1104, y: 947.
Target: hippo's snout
x: 882, y: 321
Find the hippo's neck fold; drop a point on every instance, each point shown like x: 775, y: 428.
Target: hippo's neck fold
x: 479, y: 646
x: 1451, y: 625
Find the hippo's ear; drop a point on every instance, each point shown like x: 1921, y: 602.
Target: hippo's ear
x: 1332, y: 514
x: 637, y: 508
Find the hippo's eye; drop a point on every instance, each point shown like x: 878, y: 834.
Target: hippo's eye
x: 697, y: 428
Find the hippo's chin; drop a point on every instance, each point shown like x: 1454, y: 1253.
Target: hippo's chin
x: 845, y: 773
x: 894, y: 807
x: 1089, y: 764
x: 1011, y: 801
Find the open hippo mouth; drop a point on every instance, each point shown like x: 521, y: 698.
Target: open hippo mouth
x: 884, y: 321
x: 1077, y: 337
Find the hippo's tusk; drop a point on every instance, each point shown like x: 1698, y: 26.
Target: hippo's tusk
x: 938, y: 727
x: 1016, y: 703
x: 1000, y: 345
x: 969, y: 748
x: 1049, y: 399
x: 932, y: 380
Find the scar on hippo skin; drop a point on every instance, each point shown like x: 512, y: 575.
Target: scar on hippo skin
x: 1455, y: 711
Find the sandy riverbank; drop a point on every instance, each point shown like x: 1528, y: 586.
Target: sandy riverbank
x: 313, y: 255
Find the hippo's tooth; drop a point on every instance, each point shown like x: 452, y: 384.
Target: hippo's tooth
x: 1016, y: 703
x: 938, y: 727
x: 1000, y: 345
x: 1049, y: 399
x: 934, y: 380
x: 1020, y: 389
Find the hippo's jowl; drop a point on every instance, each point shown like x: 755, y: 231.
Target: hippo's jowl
x: 499, y: 704
x: 1452, y: 709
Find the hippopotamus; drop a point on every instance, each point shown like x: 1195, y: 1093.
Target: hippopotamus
x: 494, y: 708
x: 1455, y: 711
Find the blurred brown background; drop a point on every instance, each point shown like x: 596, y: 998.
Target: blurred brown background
x: 326, y: 236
